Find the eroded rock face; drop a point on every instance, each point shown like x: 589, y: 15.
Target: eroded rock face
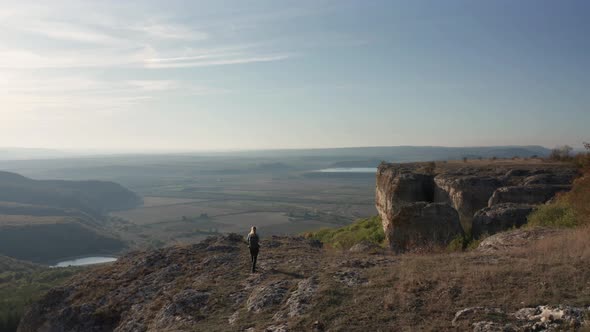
x: 300, y: 299
x: 467, y: 190
x: 500, y: 217
x: 267, y: 295
x: 423, y: 225
x: 526, y: 194
x: 467, y: 194
x: 550, y: 178
x: 398, y: 190
x: 397, y: 186
x: 187, y: 307
x: 514, y: 239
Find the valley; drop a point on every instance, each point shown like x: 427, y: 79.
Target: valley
x: 183, y: 200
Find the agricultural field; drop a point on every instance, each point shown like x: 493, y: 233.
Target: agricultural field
x: 190, y: 210
x: 189, y: 197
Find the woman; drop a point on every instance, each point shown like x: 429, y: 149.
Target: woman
x: 254, y: 246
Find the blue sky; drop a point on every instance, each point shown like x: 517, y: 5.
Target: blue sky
x: 205, y: 75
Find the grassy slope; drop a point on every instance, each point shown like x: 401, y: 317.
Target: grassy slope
x: 567, y: 210
x: 369, y: 229
x: 22, y: 283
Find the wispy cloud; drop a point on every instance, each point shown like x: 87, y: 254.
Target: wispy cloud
x: 71, y: 32
x: 34, y: 36
x: 74, y: 59
x: 21, y: 92
x: 205, y: 61
x: 171, y: 31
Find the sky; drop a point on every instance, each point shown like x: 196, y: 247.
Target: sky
x: 229, y: 75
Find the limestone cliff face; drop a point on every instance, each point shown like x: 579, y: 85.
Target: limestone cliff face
x: 422, y: 226
x: 526, y: 194
x: 467, y: 190
x: 397, y: 186
x: 466, y: 193
x: 499, y: 217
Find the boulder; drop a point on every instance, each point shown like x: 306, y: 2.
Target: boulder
x: 364, y: 247
x: 500, y: 217
x: 527, y: 194
x: 550, y: 178
x: 398, y: 186
x: 423, y: 225
x: 517, y: 238
x: 540, y: 318
x: 467, y: 194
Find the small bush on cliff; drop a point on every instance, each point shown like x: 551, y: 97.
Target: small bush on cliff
x: 582, y: 160
x: 558, y: 214
x: 568, y: 210
x: 561, y: 153
x: 369, y: 229
x: 457, y: 244
x: 465, y: 242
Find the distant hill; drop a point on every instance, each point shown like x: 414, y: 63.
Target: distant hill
x: 43, y: 240
x: 30, y: 153
x: 411, y: 153
x: 17, y: 266
x: 47, y: 220
x: 94, y: 197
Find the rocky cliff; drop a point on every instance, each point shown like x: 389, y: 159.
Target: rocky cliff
x: 498, y: 195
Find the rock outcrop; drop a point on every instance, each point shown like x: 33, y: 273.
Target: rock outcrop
x: 500, y: 217
x: 397, y: 186
x: 422, y: 225
x: 540, y: 318
x: 527, y: 194
x: 514, y: 239
x: 466, y: 193
x: 467, y: 190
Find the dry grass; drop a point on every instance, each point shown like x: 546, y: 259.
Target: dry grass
x: 579, y: 198
x: 410, y: 292
x: 423, y: 292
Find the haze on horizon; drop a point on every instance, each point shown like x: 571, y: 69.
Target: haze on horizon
x: 205, y: 75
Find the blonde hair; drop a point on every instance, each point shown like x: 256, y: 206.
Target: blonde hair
x: 253, y: 230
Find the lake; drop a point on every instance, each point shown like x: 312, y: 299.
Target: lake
x: 85, y: 261
x: 349, y: 170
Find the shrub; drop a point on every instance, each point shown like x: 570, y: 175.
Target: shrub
x: 579, y: 199
x: 568, y: 209
x: 561, y: 153
x: 465, y: 242
x: 429, y: 167
x: 558, y: 214
x: 457, y: 244
x: 369, y: 229
x: 582, y: 160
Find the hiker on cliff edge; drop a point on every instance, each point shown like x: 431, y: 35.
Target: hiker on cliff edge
x: 254, y: 246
